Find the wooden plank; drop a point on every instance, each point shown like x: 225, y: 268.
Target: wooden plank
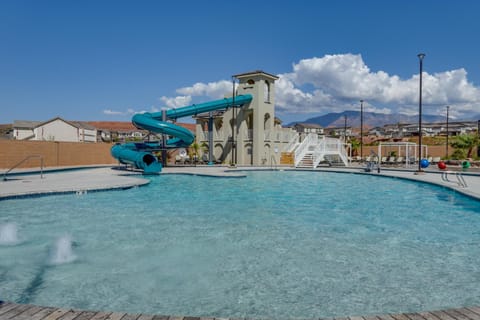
x: 160, y: 317
x: 474, y: 309
x: 115, y: 316
x: 442, y: 315
x: 356, y: 318
x: 70, y: 315
x: 86, y: 315
x: 400, y: 316
x: 27, y: 314
x: 56, y: 314
x: 470, y: 314
x: 101, y: 316
x: 457, y: 315
x: 130, y: 316
x: 45, y: 312
x: 385, y: 317
x: 7, y: 306
x: 14, y: 311
x: 414, y: 316
x: 428, y: 315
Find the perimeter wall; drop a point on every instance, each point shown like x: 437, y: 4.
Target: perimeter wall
x: 54, y: 153
x: 59, y: 154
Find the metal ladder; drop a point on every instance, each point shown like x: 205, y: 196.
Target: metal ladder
x: 460, y: 180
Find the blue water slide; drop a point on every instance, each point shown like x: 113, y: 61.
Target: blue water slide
x: 139, y: 154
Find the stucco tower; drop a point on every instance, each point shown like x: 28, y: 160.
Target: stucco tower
x: 258, y: 118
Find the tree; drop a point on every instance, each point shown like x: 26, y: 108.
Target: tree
x: 355, y: 145
x: 465, y: 142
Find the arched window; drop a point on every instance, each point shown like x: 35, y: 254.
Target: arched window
x: 266, y: 91
x: 250, y: 82
x: 266, y: 122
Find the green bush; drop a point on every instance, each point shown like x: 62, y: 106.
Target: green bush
x: 459, y: 154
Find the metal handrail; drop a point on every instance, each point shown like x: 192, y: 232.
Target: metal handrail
x: 460, y: 180
x: 272, y: 160
x: 23, y: 160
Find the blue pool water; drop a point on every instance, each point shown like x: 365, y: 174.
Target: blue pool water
x: 271, y: 245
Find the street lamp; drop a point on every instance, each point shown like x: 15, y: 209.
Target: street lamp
x: 446, y: 147
x: 234, y: 151
x: 345, y: 129
x: 420, y: 58
x: 361, y: 130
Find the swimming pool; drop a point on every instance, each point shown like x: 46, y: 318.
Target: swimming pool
x: 274, y: 244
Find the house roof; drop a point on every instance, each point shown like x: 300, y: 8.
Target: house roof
x: 124, y: 126
x: 308, y: 125
x: 26, y: 124
x: 113, y: 125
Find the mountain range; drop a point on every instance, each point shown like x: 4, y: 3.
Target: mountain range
x: 370, y: 119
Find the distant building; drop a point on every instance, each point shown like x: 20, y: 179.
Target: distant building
x: 308, y: 128
x: 55, y: 129
x: 115, y: 131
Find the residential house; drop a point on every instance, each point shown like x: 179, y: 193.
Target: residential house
x: 56, y: 129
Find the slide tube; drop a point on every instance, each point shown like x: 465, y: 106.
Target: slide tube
x: 137, y: 154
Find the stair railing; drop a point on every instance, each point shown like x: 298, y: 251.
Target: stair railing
x: 23, y: 160
x: 292, y: 144
x: 303, y: 147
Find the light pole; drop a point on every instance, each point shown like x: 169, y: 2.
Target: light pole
x: 345, y: 129
x: 361, y: 130
x: 420, y: 58
x: 234, y: 155
x: 446, y: 147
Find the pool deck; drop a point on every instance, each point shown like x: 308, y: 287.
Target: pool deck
x: 59, y: 180
x: 24, y: 183
x: 14, y: 311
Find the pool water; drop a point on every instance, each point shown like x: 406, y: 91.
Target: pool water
x: 272, y: 245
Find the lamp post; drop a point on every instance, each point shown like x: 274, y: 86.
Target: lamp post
x: 361, y: 130
x: 345, y: 129
x: 446, y: 147
x: 420, y: 58
x: 234, y: 155
x: 478, y: 134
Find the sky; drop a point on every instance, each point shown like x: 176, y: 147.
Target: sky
x: 107, y: 60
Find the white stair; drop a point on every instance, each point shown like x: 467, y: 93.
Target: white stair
x: 314, y: 150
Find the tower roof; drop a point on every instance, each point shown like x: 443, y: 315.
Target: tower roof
x: 255, y: 73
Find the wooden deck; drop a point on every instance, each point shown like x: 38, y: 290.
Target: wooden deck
x: 15, y: 311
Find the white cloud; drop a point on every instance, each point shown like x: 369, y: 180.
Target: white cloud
x: 114, y: 113
x: 175, y: 102
x: 335, y: 83
x: 129, y: 112
x: 214, y: 90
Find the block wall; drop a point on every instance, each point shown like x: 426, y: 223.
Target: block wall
x: 54, y: 153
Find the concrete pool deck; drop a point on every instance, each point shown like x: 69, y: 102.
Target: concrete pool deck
x: 24, y: 183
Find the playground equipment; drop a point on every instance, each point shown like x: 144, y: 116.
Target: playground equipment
x: 140, y: 156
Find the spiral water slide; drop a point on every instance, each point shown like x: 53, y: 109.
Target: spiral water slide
x: 140, y: 155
